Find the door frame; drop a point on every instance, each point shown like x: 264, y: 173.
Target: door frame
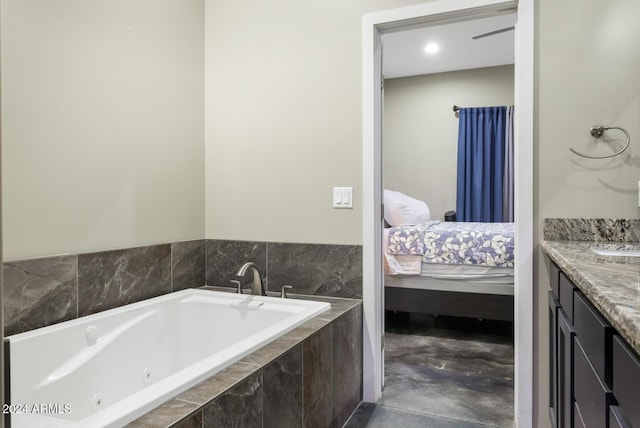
x: 373, y: 26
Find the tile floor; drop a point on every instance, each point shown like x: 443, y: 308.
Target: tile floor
x: 443, y: 373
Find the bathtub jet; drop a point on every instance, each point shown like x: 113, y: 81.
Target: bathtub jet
x: 107, y: 369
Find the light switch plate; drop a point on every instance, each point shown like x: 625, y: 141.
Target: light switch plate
x: 343, y: 197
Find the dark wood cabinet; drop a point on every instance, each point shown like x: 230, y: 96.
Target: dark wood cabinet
x: 554, y: 279
x: 595, y: 336
x: 594, y: 375
x: 554, y: 306
x: 566, y: 295
x: 626, y: 381
x: 565, y: 370
x: 592, y: 397
x: 617, y: 419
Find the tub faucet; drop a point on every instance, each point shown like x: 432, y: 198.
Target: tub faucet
x: 257, y: 288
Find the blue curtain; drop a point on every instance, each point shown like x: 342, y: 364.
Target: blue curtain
x: 508, y: 192
x: 481, y: 164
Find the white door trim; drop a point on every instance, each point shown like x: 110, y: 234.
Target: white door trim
x: 373, y: 25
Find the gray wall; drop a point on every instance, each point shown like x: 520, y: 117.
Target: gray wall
x: 106, y: 111
x: 587, y: 62
x: 283, y: 118
x: 102, y: 124
x: 420, y: 141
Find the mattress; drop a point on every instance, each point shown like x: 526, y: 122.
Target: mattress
x: 467, y: 272
x: 458, y: 278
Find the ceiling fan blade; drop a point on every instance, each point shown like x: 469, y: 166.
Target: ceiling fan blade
x: 492, y: 33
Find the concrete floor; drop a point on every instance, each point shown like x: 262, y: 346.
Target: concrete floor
x: 443, y: 372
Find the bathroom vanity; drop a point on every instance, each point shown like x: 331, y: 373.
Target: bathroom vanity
x: 594, y: 335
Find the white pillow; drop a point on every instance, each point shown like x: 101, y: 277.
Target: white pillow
x: 403, y: 210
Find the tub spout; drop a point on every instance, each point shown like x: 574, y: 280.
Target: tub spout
x: 257, y: 288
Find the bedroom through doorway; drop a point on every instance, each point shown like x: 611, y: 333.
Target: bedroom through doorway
x: 449, y: 344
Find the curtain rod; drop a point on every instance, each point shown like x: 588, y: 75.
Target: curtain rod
x: 456, y: 108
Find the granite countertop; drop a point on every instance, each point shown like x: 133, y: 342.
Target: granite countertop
x: 612, y: 283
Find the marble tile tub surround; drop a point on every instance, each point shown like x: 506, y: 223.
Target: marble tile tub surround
x: 309, y: 377
x: 45, y: 291
x: 592, y: 229
x: 312, y: 269
x: 39, y: 292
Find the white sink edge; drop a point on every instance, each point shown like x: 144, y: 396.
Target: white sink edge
x: 616, y: 253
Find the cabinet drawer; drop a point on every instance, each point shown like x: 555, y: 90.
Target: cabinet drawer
x: 554, y: 277
x: 626, y: 380
x: 566, y: 295
x: 591, y: 396
x: 595, y: 335
x: 617, y: 419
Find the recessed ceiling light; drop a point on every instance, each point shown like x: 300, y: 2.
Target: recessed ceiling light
x: 431, y: 48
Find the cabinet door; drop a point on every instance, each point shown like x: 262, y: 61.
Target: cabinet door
x: 565, y: 336
x: 592, y: 397
x: 616, y: 418
x: 554, y: 305
x: 595, y: 335
x: 626, y: 380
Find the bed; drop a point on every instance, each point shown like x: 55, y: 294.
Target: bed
x: 450, y: 268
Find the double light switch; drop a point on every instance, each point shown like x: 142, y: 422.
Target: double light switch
x: 343, y: 197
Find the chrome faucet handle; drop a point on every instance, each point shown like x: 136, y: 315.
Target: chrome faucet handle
x: 283, y: 292
x: 238, y: 285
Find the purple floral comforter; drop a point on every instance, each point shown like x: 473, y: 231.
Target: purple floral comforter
x: 488, y: 244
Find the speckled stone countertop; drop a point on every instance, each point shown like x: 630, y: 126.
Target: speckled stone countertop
x: 612, y: 283
x: 592, y: 229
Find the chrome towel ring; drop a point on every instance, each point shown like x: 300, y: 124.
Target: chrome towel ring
x: 597, y: 131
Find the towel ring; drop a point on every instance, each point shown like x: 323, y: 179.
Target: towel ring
x: 597, y: 131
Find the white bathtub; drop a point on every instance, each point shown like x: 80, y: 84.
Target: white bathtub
x: 107, y: 369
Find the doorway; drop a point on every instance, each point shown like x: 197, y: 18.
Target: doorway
x: 448, y: 342
x: 374, y: 25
